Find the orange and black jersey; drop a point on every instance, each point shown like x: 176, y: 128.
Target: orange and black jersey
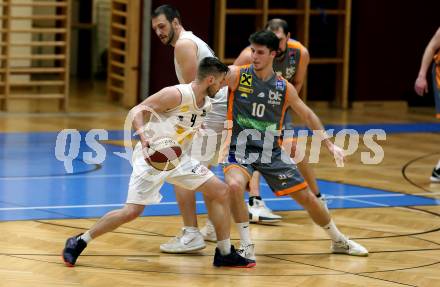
x: 257, y: 107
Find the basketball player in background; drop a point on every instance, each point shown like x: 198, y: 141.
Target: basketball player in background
x: 184, y: 106
x: 290, y: 62
x: 432, y: 52
x: 189, y: 50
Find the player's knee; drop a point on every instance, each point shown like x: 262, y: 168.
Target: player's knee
x: 236, y: 188
x: 222, y: 192
x: 130, y: 213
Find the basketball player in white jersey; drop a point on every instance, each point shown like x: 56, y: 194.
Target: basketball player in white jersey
x: 182, y: 108
x: 189, y: 50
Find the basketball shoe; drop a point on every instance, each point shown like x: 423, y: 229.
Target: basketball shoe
x: 186, y: 242
x: 73, y: 248
x: 260, y: 213
x: 208, y: 232
x: 435, y: 176
x: 233, y: 259
x: 350, y: 247
x: 247, y: 251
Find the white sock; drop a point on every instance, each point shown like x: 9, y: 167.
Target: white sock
x: 191, y: 229
x: 224, y: 246
x: 333, y: 232
x: 245, y: 236
x: 438, y: 165
x: 86, y: 237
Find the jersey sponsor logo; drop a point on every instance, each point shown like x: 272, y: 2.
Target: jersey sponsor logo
x: 251, y: 123
x: 282, y: 177
x: 280, y: 85
x: 184, y: 109
x: 245, y: 90
x: 243, y: 95
x: 274, y: 98
x: 292, y: 56
x: 290, y: 71
x: 200, y: 169
x: 246, y: 79
x: 287, y: 175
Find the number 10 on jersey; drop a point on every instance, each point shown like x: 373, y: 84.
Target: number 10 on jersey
x: 258, y: 110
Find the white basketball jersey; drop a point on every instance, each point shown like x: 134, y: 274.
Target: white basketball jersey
x: 216, y: 118
x: 203, y: 51
x: 182, y: 122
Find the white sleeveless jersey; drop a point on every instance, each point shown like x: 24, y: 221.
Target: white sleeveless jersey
x: 203, y: 51
x: 216, y: 118
x: 182, y: 122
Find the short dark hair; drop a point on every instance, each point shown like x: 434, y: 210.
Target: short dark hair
x: 169, y: 11
x: 265, y: 38
x: 277, y: 23
x: 211, y: 66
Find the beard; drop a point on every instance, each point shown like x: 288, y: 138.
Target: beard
x: 170, y: 36
x: 280, y: 53
x: 212, y: 92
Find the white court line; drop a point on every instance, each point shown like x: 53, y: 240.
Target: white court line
x: 368, y: 202
x: 347, y: 197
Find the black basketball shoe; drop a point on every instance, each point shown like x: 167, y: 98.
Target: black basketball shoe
x: 233, y: 259
x: 74, y: 246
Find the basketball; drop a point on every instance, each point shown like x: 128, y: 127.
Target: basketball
x: 164, y: 154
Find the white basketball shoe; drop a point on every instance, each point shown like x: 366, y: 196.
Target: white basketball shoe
x: 350, y: 247
x: 186, y: 242
x: 208, y: 232
x: 260, y: 213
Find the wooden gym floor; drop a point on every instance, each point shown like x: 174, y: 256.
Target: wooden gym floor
x: 391, y: 208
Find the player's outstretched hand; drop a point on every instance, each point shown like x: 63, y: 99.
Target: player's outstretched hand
x: 338, y: 154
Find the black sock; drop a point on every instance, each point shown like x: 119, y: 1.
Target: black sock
x: 251, y: 199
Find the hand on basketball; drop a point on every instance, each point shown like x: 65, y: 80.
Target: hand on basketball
x: 421, y: 86
x: 338, y: 154
x: 145, y: 146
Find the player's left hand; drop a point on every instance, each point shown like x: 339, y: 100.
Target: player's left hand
x: 421, y: 86
x: 338, y: 154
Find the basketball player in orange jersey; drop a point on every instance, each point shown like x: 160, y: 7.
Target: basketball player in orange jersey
x: 182, y: 107
x: 291, y: 62
x: 432, y: 52
x: 189, y: 50
x: 257, y: 104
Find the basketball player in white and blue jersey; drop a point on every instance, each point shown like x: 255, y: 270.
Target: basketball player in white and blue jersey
x: 184, y: 106
x: 189, y: 50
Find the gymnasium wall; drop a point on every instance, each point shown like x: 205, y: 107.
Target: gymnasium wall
x: 201, y: 23
x: 387, y: 42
